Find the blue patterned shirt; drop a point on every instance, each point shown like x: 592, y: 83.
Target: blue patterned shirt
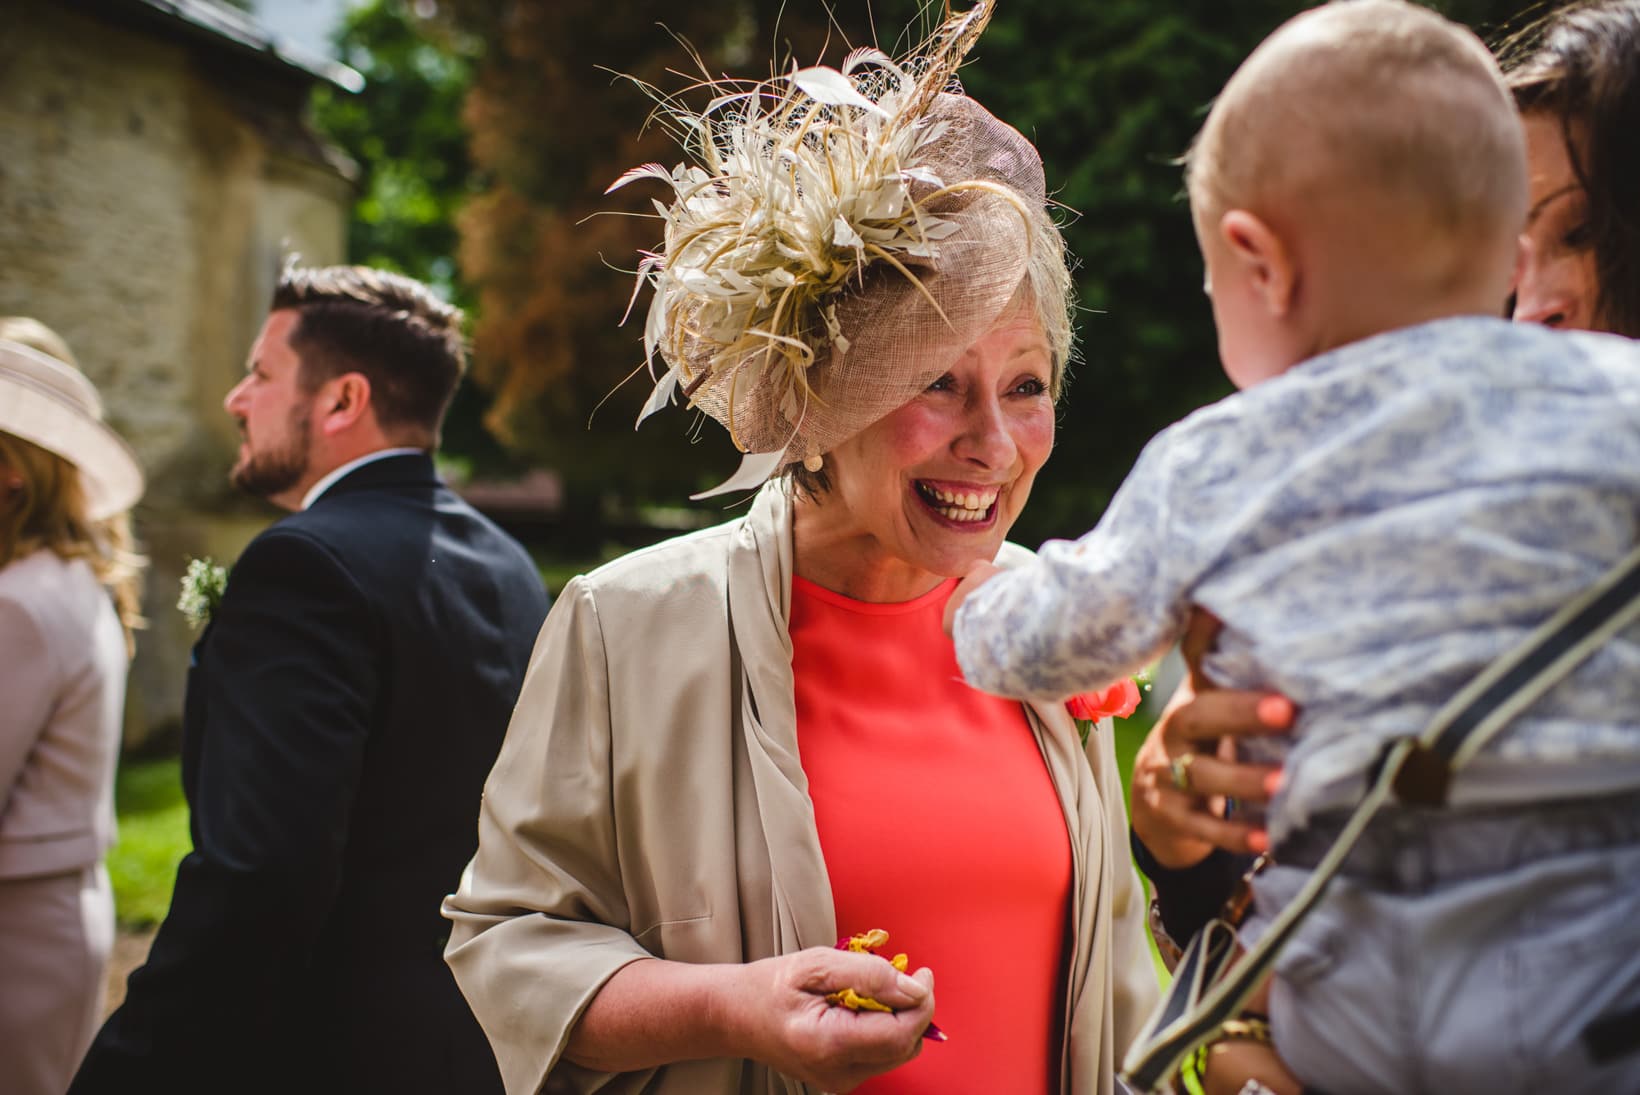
x: 1374, y: 527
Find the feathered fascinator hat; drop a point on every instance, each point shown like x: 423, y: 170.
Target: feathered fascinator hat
x: 841, y: 236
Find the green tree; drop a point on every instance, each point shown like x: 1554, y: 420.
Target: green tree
x: 404, y: 131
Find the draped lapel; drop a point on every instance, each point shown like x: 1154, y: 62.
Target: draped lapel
x: 760, y: 579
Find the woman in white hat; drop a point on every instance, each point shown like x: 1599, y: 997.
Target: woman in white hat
x: 68, y: 604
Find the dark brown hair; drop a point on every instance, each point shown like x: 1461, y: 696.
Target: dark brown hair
x: 390, y: 328
x: 1582, y: 65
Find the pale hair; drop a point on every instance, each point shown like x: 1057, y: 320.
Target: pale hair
x: 1368, y: 95
x: 1048, y: 279
x: 50, y: 511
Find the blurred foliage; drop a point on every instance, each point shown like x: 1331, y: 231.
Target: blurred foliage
x: 1111, y: 93
x: 405, y: 133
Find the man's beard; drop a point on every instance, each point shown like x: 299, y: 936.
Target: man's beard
x: 266, y: 474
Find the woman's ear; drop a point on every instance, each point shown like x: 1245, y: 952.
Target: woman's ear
x: 1264, y: 258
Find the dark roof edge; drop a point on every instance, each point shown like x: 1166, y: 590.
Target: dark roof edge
x: 243, y: 33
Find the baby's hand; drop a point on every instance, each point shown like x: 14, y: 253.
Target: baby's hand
x: 977, y: 575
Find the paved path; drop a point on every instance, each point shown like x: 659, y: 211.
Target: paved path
x: 130, y: 950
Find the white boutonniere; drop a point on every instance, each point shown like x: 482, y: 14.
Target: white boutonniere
x: 202, y: 586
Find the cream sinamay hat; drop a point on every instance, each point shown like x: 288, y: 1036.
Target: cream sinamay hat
x: 840, y: 238
x: 50, y: 403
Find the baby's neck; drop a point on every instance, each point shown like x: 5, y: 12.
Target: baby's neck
x: 1362, y: 316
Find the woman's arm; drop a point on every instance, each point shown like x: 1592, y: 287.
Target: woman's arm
x: 654, y: 1012
x: 539, y: 922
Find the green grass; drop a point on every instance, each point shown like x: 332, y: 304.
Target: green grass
x: 153, y: 839
x: 1130, y: 733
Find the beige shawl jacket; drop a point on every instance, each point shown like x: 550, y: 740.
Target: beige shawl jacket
x: 649, y: 801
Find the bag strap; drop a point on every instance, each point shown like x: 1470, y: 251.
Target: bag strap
x: 1416, y: 771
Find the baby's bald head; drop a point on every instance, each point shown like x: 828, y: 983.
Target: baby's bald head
x: 1376, y: 109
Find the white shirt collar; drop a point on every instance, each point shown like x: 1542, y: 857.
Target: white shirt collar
x: 329, y: 481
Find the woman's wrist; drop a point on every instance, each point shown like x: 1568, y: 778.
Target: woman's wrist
x: 654, y: 1012
x: 1188, y: 897
x: 734, y: 1018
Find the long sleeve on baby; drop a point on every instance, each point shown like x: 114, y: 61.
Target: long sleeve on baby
x: 1083, y: 612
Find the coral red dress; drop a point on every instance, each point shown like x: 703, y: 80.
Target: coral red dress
x: 939, y: 824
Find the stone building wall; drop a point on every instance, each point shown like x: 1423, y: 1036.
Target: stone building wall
x: 149, y: 185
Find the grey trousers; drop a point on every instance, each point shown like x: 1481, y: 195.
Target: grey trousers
x: 1466, y: 953
x: 56, y: 934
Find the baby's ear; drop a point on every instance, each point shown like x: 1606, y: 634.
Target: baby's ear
x: 1266, y: 261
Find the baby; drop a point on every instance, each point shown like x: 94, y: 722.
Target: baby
x: 1405, y: 487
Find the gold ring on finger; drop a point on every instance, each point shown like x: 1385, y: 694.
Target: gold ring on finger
x: 1179, y: 770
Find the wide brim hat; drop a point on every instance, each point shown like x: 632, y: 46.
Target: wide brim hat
x: 842, y: 237
x: 51, y: 404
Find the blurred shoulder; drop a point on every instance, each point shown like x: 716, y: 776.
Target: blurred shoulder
x: 59, y: 599
x: 1614, y: 358
x: 684, y: 567
x: 43, y: 581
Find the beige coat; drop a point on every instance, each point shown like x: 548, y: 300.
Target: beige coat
x: 62, y: 695
x: 649, y: 801
x: 62, y: 692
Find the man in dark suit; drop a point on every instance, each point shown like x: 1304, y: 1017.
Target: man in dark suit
x: 344, y: 706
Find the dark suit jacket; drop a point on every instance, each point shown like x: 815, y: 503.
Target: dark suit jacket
x: 344, y: 707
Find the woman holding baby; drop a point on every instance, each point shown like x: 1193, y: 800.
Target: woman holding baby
x: 1575, y: 77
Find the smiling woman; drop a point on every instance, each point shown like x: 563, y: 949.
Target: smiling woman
x: 861, y: 283
x: 937, y: 483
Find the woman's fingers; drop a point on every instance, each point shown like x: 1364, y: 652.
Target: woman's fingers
x: 1207, y: 775
x: 1196, y: 722
x: 1186, y: 768
x: 869, y: 975
x: 832, y: 1047
x: 1190, y: 824
x: 1181, y: 828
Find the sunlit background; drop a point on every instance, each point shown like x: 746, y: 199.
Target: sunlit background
x: 158, y: 159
